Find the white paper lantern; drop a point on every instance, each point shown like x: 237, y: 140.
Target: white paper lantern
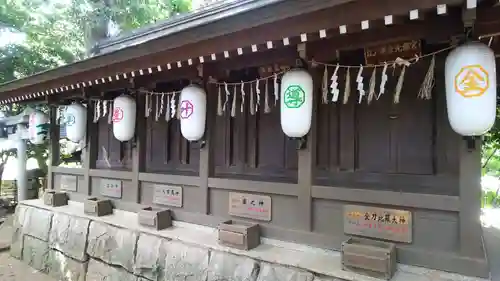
x: 296, y: 103
x: 193, y: 112
x: 76, y: 122
x: 471, y: 89
x: 38, y: 127
x: 124, y: 115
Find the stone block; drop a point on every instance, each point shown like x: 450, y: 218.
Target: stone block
x: 316, y: 278
x: 150, y: 257
x: 16, y: 246
x: 225, y: 266
x: 63, y: 268
x: 272, y: 272
x: 37, y: 223
x: 98, y: 271
x: 69, y: 235
x: 185, y: 263
x: 112, y: 245
x: 36, y: 253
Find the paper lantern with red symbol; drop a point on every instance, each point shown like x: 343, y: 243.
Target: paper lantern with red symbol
x: 124, y: 115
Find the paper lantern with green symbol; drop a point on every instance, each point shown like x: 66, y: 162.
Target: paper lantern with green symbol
x: 296, y: 103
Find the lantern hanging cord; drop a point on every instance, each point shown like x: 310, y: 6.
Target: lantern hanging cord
x: 411, y: 61
x: 248, y: 82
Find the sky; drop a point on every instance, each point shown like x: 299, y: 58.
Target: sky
x: 8, y: 37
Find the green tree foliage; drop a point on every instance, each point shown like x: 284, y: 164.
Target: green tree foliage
x: 491, y: 149
x: 59, y: 32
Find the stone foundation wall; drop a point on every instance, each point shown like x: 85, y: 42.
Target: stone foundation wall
x: 71, y: 248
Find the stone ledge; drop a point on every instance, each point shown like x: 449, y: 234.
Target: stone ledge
x: 98, y: 271
x: 113, y: 245
x: 37, y: 223
x: 18, y: 223
x: 68, y: 235
x: 280, y: 254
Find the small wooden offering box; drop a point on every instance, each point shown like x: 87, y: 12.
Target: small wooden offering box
x: 98, y: 207
x: 156, y: 218
x: 369, y: 257
x: 239, y: 235
x: 54, y: 198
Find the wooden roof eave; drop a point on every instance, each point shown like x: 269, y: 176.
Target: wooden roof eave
x: 132, y: 51
x: 139, y: 55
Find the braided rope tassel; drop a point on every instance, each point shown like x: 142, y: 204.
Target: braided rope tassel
x: 371, y: 91
x: 242, y: 107
x: 220, y: 111
x: 347, y: 88
x: 267, y: 108
x: 233, y: 106
x: 257, y: 91
x: 324, y: 87
x: 110, y: 115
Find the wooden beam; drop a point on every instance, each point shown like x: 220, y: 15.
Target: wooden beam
x: 139, y: 150
x: 206, y: 152
x: 278, y: 188
x: 54, y: 151
x: 68, y: 171
x: 307, y: 157
x: 470, y: 199
x: 392, y: 198
x: 169, y: 179
x: 111, y: 174
x: 90, y: 151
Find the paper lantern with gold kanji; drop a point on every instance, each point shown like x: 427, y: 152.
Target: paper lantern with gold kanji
x: 471, y: 89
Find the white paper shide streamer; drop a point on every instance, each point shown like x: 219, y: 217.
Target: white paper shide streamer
x: 173, y: 107
x: 334, y: 86
x: 383, y: 81
x: 359, y: 80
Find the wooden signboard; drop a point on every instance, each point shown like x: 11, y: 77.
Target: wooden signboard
x: 111, y: 188
x: 168, y: 195
x: 272, y: 69
x: 251, y: 206
x: 388, y: 224
x: 68, y: 182
x: 391, y: 51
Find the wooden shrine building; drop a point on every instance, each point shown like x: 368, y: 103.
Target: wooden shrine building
x: 391, y: 152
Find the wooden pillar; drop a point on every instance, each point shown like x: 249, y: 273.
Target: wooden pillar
x: 139, y: 150
x: 54, y: 151
x: 89, y: 152
x: 307, y: 160
x: 206, y: 152
x: 470, y: 199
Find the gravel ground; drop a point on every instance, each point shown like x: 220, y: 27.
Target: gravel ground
x: 12, y: 269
